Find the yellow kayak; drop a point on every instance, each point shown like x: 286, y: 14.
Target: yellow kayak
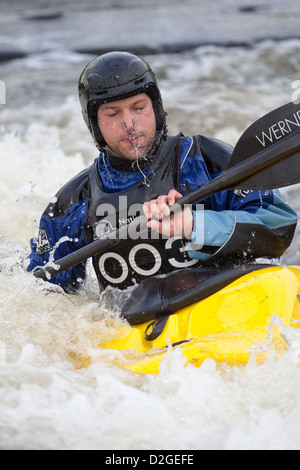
x: 224, y: 326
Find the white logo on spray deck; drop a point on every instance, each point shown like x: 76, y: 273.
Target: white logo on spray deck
x: 132, y: 261
x: 2, y: 92
x: 296, y: 94
x: 280, y: 129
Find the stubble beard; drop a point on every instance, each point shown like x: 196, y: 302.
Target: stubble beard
x: 135, y: 151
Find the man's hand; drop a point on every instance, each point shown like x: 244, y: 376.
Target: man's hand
x: 164, y: 221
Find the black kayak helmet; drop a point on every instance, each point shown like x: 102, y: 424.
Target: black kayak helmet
x: 113, y: 76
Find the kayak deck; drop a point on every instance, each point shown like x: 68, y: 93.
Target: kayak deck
x: 224, y: 327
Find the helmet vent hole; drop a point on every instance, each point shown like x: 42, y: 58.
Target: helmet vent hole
x: 137, y: 82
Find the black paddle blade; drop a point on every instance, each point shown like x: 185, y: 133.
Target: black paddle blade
x: 276, y: 167
x: 277, y: 134
x: 266, y: 132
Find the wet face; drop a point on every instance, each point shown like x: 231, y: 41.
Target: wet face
x: 128, y: 126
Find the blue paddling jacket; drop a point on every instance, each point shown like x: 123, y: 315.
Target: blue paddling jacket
x: 229, y: 227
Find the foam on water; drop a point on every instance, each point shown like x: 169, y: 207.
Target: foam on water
x: 45, y: 402
x: 216, y: 90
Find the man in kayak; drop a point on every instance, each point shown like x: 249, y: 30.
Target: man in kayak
x: 140, y: 169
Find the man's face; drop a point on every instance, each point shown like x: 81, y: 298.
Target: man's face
x: 128, y: 126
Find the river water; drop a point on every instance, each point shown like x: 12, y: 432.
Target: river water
x: 212, y: 89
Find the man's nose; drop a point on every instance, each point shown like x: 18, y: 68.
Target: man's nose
x: 129, y: 127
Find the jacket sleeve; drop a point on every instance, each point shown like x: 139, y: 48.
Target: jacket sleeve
x: 232, y: 225
x: 61, y: 232
x: 57, y: 238
x: 257, y: 225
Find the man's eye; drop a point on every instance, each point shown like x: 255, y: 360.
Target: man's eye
x: 112, y: 114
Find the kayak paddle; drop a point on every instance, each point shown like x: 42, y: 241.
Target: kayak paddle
x: 265, y: 157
